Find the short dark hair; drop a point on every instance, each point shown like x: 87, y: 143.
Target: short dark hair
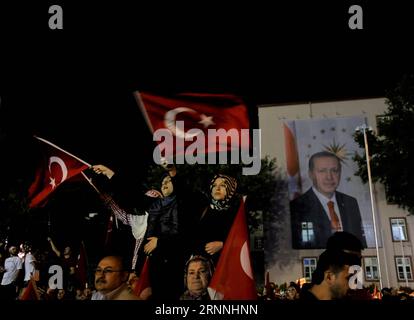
x: 121, y: 259
x: 322, y: 154
x: 344, y: 241
x: 334, y: 260
x: 294, y: 285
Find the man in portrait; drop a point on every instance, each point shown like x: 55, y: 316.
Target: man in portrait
x: 322, y: 210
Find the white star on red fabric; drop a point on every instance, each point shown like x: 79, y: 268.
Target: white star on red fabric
x: 52, y: 182
x: 206, y: 121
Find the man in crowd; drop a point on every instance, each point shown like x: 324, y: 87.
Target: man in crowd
x: 12, y: 267
x: 330, y: 280
x: 111, y: 279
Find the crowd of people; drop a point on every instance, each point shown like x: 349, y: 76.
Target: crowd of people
x: 184, y: 233
x: 112, y: 278
x: 332, y: 276
x: 182, y: 223
x: 25, y: 268
x: 293, y: 291
x: 179, y: 239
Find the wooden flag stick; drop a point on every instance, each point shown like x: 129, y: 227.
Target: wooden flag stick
x: 68, y: 153
x: 97, y: 190
x: 90, y: 182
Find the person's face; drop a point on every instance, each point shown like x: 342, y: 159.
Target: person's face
x: 67, y: 251
x: 13, y: 251
x: 60, y: 294
x: 167, y: 186
x: 291, y: 293
x: 219, y: 192
x: 326, y: 175
x: 197, y: 277
x: 340, y: 285
x: 108, y: 275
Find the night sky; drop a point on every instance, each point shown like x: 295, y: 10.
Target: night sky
x: 74, y: 87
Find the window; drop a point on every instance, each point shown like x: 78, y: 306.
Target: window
x: 404, y: 271
x: 307, y: 232
x: 399, y: 229
x: 309, y: 265
x: 371, y: 268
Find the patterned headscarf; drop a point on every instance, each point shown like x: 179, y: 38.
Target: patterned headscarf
x: 231, y: 186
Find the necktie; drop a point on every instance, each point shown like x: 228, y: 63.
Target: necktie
x: 335, y: 223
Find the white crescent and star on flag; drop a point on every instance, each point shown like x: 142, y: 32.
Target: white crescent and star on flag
x: 63, y: 168
x: 245, y: 260
x: 170, y: 119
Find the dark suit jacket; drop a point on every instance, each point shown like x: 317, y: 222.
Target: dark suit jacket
x: 307, y: 208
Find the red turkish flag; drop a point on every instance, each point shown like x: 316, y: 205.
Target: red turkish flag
x: 292, y: 162
x: 143, y: 281
x: 30, y: 292
x: 202, y: 111
x: 233, y: 278
x: 56, y: 166
x: 81, y: 267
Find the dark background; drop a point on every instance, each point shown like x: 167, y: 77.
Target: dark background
x: 74, y: 86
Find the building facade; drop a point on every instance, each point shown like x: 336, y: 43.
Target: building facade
x: 394, y: 226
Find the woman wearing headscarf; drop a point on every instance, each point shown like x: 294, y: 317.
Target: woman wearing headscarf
x: 217, y: 219
x: 197, y: 275
x: 170, y: 220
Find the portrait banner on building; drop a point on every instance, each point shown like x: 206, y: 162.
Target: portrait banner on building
x: 324, y: 192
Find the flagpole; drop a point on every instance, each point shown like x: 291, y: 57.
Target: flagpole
x: 403, y: 256
x: 97, y: 190
x: 68, y: 153
x: 90, y: 182
x: 364, y: 127
x: 385, y: 260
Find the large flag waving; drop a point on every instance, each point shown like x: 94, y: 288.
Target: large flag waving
x: 233, y: 278
x: 199, y: 111
x: 56, y: 166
